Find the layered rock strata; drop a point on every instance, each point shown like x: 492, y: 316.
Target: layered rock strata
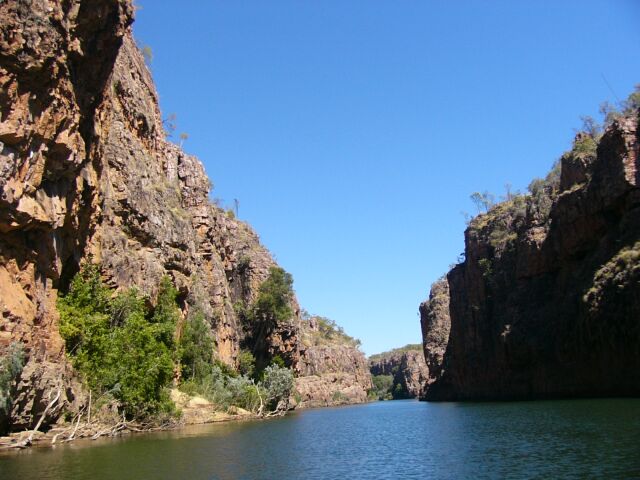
x: 330, y: 373
x: 408, y: 368
x: 86, y: 174
x: 547, y: 301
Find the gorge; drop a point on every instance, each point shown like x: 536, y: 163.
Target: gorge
x: 87, y: 176
x: 132, y: 300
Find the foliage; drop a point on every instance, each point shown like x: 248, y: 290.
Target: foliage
x: 273, y: 304
x: 328, y: 331
x: 486, y: 267
x: 225, y: 390
x: 246, y: 363
x: 278, y: 384
x: 278, y: 361
x: 543, y: 193
x: 396, y: 351
x: 382, y: 387
x: 11, y: 366
x: 166, y: 313
x: 196, y: 347
x: 483, y: 201
x: 620, y: 271
x: 339, y: 397
x: 117, y: 345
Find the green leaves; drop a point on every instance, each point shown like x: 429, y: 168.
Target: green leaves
x: 117, y: 344
x: 196, y: 348
x: 274, y: 297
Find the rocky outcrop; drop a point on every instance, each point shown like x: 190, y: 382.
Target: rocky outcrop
x: 332, y: 370
x: 332, y: 375
x: 408, y: 369
x: 547, y: 301
x: 56, y: 59
x: 86, y: 174
x: 436, y: 324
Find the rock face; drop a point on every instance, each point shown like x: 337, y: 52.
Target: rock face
x: 56, y: 59
x: 86, y: 174
x: 332, y: 372
x: 547, y: 301
x: 436, y: 324
x: 408, y: 368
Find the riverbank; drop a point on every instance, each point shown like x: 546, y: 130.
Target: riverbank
x: 194, y: 410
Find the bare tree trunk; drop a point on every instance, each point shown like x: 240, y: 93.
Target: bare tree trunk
x: 29, y: 439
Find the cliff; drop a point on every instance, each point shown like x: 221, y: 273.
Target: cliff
x: 408, y: 368
x: 333, y: 371
x: 547, y: 301
x: 86, y: 174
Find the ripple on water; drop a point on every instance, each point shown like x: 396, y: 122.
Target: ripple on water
x: 399, y: 439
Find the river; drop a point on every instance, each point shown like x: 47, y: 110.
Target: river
x: 396, y: 439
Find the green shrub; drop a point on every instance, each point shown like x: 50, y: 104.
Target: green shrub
x: 166, y: 313
x: 11, y: 366
x: 273, y: 304
x: 117, y: 345
x: 196, y: 347
x: 246, y: 363
x: 382, y: 387
x: 339, y: 397
x: 278, y: 384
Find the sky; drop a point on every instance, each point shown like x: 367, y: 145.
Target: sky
x: 352, y: 133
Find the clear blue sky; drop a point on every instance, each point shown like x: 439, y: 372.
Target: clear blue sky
x: 353, y: 132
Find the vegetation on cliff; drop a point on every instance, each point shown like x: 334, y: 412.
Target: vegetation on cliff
x: 121, y: 347
x: 325, y: 331
x: 11, y: 365
x: 398, y: 373
x: 396, y: 351
x: 131, y: 353
x: 544, y: 302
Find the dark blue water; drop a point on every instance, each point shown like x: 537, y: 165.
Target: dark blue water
x: 399, y: 439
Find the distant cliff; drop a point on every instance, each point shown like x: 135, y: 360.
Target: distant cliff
x: 547, y: 300
x: 86, y: 174
x: 332, y: 369
x: 406, y: 368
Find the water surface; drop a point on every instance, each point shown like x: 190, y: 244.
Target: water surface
x: 398, y: 439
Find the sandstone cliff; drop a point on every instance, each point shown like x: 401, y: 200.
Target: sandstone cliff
x: 408, y: 368
x: 547, y: 300
x: 86, y: 173
x: 333, y: 371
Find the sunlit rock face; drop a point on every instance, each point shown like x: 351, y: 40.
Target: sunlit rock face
x: 87, y: 174
x: 408, y: 369
x: 547, y: 300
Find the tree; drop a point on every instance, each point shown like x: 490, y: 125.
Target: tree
x: 246, y: 363
x: 278, y: 384
x: 196, y: 347
x: 183, y: 138
x: 273, y: 304
x: 116, y: 345
x: 11, y: 365
x: 169, y: 124
x: 166, y: 313
x: 484, y: 200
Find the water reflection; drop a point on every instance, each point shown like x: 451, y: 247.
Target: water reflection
x: 401, y: 439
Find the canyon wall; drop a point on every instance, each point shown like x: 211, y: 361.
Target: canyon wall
x: 547, y: 301
x: 332, y: 369
x: 86, y: 174
x: 408, y: 369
